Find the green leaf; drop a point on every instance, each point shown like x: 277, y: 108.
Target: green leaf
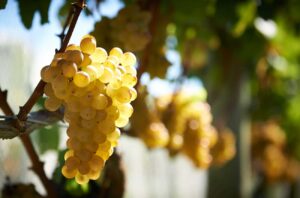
x: 47, y: 138
x: 28, y: 8
x: 3, y: 4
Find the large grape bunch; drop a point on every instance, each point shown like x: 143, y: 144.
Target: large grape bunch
x: 95, y: 89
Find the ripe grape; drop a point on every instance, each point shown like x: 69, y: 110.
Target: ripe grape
x: 89, y: 84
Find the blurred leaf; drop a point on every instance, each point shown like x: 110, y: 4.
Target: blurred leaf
x: 3, y: 4
x: 246, y: 12
x: 47, y: 138
x: 20, y: 191
x: 28, y: 8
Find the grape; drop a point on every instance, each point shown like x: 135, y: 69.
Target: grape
x: 72, y: 47
x: 123, y: 94
x: 117, y: 52
x: 74, y: 56
x: 107, y: 75
x: 99, y: 55
x: 81, y: 79
x: 95, y: 91
x: 99, y: 102
x: 69, y: 69
x: 88, y: 45
x: 128, y: 59
x: 92, y: 72
x: 68, y: 173
x: 48, y: 90
x: 72, y: 162
x: 52, y: 104
x: 86, y: 60
x: 81, y: 179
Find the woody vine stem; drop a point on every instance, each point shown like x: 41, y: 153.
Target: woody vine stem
x: 37, y: 165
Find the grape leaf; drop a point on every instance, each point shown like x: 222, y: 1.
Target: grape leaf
x: 3, y: 4
x: 47, y: 138
x: 28, y: 8
x: 36, y: 120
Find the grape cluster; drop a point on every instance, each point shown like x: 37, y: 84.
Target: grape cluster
x: 129, y: 29
x: 224, y: 150
x: 95, y: 89
x: 268, y: 145
x: 179, y: 122
x: 149, y: 126
x: 199, y: 135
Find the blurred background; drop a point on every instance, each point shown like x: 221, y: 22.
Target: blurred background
x: 233, y: 66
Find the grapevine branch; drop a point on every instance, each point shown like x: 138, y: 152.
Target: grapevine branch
x: 39, y: 90
x: 37, y: 165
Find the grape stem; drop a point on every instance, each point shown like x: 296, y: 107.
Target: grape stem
x: 37, y: 165
x: 39, y: 89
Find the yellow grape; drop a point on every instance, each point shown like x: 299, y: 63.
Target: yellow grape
x: 81, y: 79
x: 117, y: 52
x: 88, y: 45
x: 128, y: 59
x: 81, y: 179
x: 69, y: 69
x: 52, y: 104
x: 99, y: 55
x: 68, y: 173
